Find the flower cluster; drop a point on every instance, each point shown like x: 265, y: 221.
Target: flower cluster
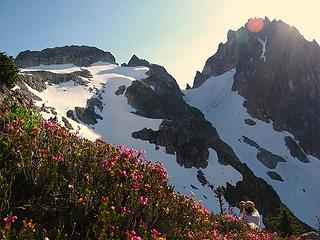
x: 10, y: 219
x: 76, y: 187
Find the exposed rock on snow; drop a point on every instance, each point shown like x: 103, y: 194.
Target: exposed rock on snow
x: 120, y: 90
x: 88, y: 115
x: 250, y: 122
x: 275, y: 176
x: 269, y: 159
x: 295, y: 150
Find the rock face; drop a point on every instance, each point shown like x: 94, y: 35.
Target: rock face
x: 275, y: 176
x: 37, y: 79
x: 78, y: 55
x: 269, y: 159
x: 184, y: 130
x: 88, y: 115
x: 120, y: 90
x: 295, y: 150
x: 278, y: 73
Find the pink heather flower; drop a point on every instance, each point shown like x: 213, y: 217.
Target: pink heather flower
x: 123, y: 210
x: 131, y: 235
x: 57, y: 159
x: 140, y: 224
x: 190, y: 234
x: 134, y: 176
x: 103, y: 199
x: 134, y: 186
x: 215, y: 233
x: 123, y: 172
x: 48, y: 124
x: 15, y: 125
x: 109, y: 163
x: 136, y: 238
x: 43, y: 152
x: 144, y: 201
x: 154, y: 233
x: 10, y: 219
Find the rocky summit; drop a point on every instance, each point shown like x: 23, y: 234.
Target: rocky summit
x: 278, y: 73
x: 78, y: 55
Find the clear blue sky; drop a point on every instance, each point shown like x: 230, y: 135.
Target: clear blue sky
x: 179, y: 34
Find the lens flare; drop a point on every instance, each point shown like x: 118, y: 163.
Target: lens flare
x: 255, y: 24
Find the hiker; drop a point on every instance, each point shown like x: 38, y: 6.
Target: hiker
x: 249, y: 214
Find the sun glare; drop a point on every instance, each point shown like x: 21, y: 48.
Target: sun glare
x: 255, y: 24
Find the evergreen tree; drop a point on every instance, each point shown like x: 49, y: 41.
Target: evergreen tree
x: 219, y: 194
x: 8, y: 71
x: 285, y: 223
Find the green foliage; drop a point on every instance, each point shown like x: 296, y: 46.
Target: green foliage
x: 8, y: 71
x: 56, y: 184
x: 285, y: 224
x: 219, y: 194
x: 30, y: 118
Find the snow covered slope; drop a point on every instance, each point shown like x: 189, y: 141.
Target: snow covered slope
x: 119, y: 122
x: 298, y: 183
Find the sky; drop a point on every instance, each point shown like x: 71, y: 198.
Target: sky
x: 178, y: 34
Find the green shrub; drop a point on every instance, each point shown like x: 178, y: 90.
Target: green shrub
x: 8, y: 71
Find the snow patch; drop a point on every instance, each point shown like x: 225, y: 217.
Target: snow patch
x: 55, y: 68
x: 264, y: 45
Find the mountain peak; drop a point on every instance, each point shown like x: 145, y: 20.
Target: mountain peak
x: 253, y: 41
x: 277, y: 72
x: 135, y: 61
x: 82, y: 56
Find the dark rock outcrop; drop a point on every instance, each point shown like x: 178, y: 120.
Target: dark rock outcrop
x: 67, y: 123
x: 250, y: 122
x: 120, y: 90
x: 269, y: 159
x: 295, y: 150
x: 184, y: 130
x: 37, y: 79
x: 82, y: 56
x: 202, y: 179
x: 275, y: 176
x: 88, y: 115
x: 251, y: 142
x: 71, y: 115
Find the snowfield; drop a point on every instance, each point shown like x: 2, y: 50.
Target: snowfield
x: 224, y: 109
x: 119, y: 121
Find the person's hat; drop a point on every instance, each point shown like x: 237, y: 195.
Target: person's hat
x: 249, y: 204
